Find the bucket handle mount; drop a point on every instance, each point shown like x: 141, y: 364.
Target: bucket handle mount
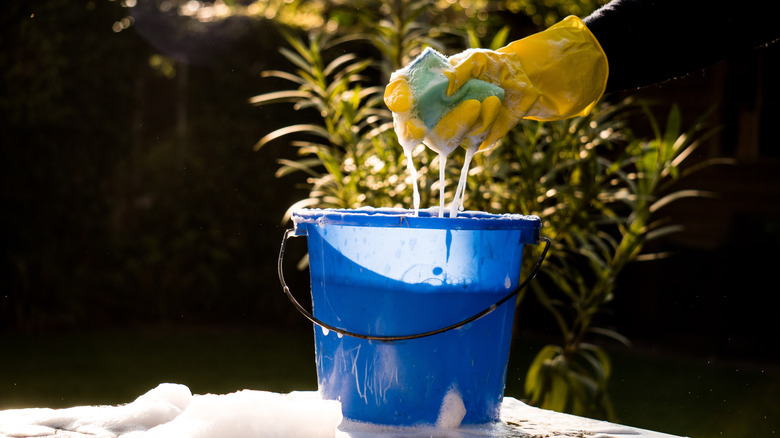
x: 385, y: 338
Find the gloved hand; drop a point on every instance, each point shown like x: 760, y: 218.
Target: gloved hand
x: 418, y: 97
x: 555, y: 74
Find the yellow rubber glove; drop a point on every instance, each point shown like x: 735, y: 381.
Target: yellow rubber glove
x: 555, y: 74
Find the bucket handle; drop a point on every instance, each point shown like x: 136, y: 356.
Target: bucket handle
x: 472, y: 318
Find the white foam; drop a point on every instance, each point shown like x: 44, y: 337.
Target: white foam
x: 251, y: 414
x: 306, y: 215
x: 172, y: 411
x: 448, y: 423
x: 160, y: 405
x: 452, y: 410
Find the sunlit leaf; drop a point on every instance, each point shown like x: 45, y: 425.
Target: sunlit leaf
x: 499, y: 39
x: 294, y: 129
x: 279, y: 96
x: 559, y: 393
x: 672, y: 133
x: 304, y: 203
x: 302, y: 63
x: 473, y: 38
x: 676, y: 196
x: 598, y: 358
x: 283, y: 75
x: 534, y: 374
x: 611, y: 334
x: 290, y: 166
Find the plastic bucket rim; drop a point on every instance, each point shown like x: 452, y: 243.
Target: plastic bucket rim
x: 406, y: 218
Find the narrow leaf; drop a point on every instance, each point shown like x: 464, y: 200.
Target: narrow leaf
x: 305, y: 129
x: 304, y: 203
x: 533, y: 375
x: 289, y: 166
x: 673, y: 122
x: 283, y: 75
x: 558, y: 395
x: 611, y: 334
x: 499, y: 39
x: 680, y: 194
x: 336, y: 63
x: 280, y: 96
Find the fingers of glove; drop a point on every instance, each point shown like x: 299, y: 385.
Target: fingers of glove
x: 489, y: 109
x: 504, y: 122
x: 470, y: 64
x: 398, y: 96
x: 410, y: 132
x: 454, y: 126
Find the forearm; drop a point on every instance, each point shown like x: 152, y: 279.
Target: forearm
x: 650, y: 41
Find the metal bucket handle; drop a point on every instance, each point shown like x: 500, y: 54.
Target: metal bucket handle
x: 472, y: 318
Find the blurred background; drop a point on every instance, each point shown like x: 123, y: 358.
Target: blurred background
x: 139, y: 230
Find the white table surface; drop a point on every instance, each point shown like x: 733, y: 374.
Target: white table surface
x: 172, y: 411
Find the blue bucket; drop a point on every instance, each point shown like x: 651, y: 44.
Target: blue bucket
x: 411, y: 310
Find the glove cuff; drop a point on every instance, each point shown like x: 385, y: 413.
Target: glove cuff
x: 566, y: 66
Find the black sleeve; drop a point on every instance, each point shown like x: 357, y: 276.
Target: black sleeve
x: 650, y: 41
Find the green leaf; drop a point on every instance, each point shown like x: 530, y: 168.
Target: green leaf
x: 534, y: 374
x: 283, y: 75
x: 303, y: 63
x: 676, y: 196
x: 651, y: 119
x: 280, y: 96
x: 673, y: 123
x: 294, y: 129
x: 559, y: 393
x: 339, y: 62
x: 598, y: 358
x: 611, y: 334
x: 499, y: 39
x: 663, y: 231
x: 290, y: 166
x: 472, y: 38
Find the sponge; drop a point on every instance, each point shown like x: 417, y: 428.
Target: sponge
x: 428, y: 85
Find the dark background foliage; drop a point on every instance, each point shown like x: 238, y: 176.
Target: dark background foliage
x: 130, y: 194
x: 130, y: 191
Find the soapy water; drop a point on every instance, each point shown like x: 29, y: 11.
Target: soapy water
x: 413, y: 172
x: 442, y: 180
x: 460, y: 192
